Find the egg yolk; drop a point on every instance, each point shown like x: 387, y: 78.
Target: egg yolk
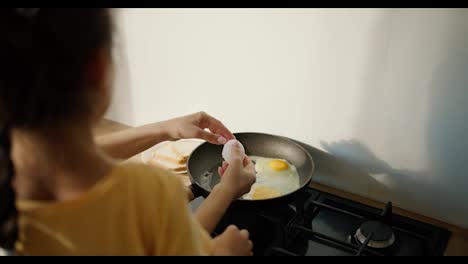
x: 278, y: 165
x: 263, y: 192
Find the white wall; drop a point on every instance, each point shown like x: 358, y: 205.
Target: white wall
x: 383, y: 89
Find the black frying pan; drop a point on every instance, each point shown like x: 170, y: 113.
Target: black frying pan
x: 204, y: 161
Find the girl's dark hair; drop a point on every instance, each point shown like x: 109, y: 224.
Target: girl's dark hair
x: 44, y: 60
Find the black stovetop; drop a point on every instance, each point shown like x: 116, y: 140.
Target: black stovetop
x: 322, y: 224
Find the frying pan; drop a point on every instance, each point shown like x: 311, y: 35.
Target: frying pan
x: 204, y: 161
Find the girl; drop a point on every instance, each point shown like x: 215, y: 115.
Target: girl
x: 61, y: 193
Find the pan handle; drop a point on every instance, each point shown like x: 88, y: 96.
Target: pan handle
x: 195, y: 191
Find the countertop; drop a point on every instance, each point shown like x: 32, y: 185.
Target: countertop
x: 457, y: 246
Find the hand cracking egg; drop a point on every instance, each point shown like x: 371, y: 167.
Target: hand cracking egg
x: 228, y: 148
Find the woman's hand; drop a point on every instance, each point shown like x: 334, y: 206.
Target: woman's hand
x: 129, y: 142
x: 194, y: 125
x: 237, y: 177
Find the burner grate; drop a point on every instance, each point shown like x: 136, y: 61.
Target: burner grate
x: 319, y: 223
x: 313, y: 202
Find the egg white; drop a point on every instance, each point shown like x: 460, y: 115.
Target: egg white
x: 285, y: 181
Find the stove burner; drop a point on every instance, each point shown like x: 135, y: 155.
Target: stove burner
x: 379, y: 234
x: 321, y: 224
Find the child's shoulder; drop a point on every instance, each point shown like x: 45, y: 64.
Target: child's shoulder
x: 143, y: 185
x: 145, y: 176
x: 141, y: 168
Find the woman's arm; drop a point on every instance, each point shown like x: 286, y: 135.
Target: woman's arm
x: 237, y: 179
x: 127, y: 143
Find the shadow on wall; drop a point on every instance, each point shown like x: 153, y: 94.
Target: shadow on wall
x: 378, y: 173
x: 335, y: 169
x: 448, y: 127
x: 440, y: 189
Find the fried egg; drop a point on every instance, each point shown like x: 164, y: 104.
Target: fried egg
x: 275, y: 177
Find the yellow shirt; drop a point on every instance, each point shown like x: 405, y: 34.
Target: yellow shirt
x: 136, y: 210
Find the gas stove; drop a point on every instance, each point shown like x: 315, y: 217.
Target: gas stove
x: 321, y: 224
